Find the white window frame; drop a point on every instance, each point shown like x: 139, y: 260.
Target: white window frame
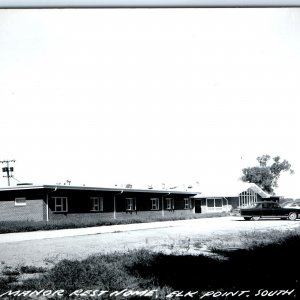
x: 247, y: 198
x: 214, y: 207
x: 187, y: 203
x: 130, y: 204
x: 97, y: 203
x: 154, y: 203
x: 23, y: 203
x: 61, y: 205
x: 169, y: 203
x: 218, y: 199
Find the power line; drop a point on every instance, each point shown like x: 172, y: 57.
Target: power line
x: 8, y: 170
x: 13, y: 177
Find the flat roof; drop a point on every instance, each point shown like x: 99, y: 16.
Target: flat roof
x: 90, y: 188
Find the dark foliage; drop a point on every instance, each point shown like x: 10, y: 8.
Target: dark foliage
x: 266, y: 176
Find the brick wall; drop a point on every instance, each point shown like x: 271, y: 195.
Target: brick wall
x: 154, y: 214
x: 81, y: 216
x: 120, y: 215
x: 32, y: 211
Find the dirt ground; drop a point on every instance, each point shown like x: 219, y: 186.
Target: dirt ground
x: 191, y: 236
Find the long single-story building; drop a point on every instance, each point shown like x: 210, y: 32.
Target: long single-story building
x: 224, y: 198
x: 57, y: 202
x: 63, y: 202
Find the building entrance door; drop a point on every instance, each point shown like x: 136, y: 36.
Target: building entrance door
x: 197, y: 206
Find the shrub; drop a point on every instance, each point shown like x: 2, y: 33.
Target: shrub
x: 25, y: 226
x: 10, y: 272
x: 106, y: 272
x: 32, y: 269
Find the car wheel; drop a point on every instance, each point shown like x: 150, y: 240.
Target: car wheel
x: 292, y: 216
x: 255, y: 218
x: 247, y: 218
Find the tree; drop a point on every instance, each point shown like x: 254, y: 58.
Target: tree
x: 266, y: 175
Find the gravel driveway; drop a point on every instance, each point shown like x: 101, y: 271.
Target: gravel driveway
x: 177, y: 236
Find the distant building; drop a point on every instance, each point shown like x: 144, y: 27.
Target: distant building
x: 224, y: 198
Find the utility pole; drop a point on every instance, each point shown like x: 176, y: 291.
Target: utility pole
x: 8, y: 170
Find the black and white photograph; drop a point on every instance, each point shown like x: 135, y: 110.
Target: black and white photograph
x: 150, y: 153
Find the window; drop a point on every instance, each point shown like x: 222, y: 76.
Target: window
x: 20, y: 201
x: 130, y: 204
x: 218, y: 202
x: 97, y: 203
x: 154, y: 204
x: 267, y: 205
x: 210, y: 202
x: 187, y: 203
x: 246, y: 198
x: 60, y: 204
x: 170, y: 203
x: 215, y: 204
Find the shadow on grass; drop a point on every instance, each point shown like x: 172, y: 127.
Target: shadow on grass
x: 265, y: 268
x: 272, y: 267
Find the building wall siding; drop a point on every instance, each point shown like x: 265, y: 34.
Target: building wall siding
x: 102, y: 216
x: 152, y: 214
x: 82, y: 217
x: 79, y: 205
x: 233, y: 201
x: 32, y: 211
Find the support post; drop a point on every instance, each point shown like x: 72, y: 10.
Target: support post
x: 162, y: 204
x: 47, y: 208
x: 115, y: 213
x: 115, y: 204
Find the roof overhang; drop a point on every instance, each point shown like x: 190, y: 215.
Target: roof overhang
x: 233, y: 191
x: 259, y: 191
x: 102, y: 189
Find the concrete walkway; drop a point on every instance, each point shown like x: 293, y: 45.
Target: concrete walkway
x: 49, y: 234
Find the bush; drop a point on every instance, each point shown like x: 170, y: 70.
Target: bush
x: 10, y: 272
x: 32, y: 269
x: 25, y: 226
x: 104, y: 272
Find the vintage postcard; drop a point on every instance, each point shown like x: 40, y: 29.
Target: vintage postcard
x: 149, y: 153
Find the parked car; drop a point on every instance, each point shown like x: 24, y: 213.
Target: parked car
x: 269, y: 209
x: 291, y: 204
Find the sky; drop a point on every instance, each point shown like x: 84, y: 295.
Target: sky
x: 149, y: 96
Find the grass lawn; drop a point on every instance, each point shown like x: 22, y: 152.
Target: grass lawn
x: 266, y: 263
